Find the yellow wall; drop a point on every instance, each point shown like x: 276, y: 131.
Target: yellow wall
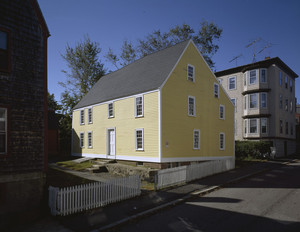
x: 177, y: 126
x: 125, y: 123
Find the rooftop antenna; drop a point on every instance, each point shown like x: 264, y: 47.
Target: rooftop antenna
x: 265, y: 49
x: 235, y: 58
x: 253, y: 43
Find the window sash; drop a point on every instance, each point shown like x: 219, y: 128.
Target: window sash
x: 139, y: 106
x: 81, y: 141
x: 90, y: 140
x: 90, y: 115
x: 232, y: 83
x: 252, y: 77
x: 191, y: 105
x: 190, y: 72
x: 110, y: 110
x: 216, y: 90
x: 81, y: 117
x: 196, y: 139
x: 253, y: 126
x: 222, y: 112
x: 139, y: 139
x: 263, y: 125
x: 222, y: 141
x: 253, y: 101
x: 263, y: 100
x: 263, y: 75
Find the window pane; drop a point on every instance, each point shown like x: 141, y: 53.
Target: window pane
x: 3, y: 40
x: 190, y: 73
x: 253, y: 126
x: 252, y: 79
x: 191, y: 106
x: 263, y: 125
x: 139, y: 106
x: 263, y: 100
x: 216, y: 90
x: 232, y: 83
x: 139, y: 139
x: 263, y: 78
x: 196, y: 139
x: 253, y: 100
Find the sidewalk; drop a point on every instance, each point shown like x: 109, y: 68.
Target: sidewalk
x: 114, y: 215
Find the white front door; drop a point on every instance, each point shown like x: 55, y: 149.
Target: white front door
x: 111, y: 142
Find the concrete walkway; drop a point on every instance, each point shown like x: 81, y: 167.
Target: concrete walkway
x: 113, y: 216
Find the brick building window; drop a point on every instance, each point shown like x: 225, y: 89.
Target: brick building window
x: 3, y: 130
x: 4, y: 51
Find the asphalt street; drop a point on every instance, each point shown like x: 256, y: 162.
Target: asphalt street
x: 265, y: 202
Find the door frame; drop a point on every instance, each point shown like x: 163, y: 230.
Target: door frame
x: 108, y: 155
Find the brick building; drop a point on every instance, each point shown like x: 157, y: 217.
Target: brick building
x: 23, y: 109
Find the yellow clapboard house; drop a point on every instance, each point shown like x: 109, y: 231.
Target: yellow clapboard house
x: 165, y: 109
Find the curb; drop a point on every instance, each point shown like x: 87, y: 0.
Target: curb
x: 178, y: 201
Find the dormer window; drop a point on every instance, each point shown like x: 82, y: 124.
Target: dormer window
x: 190, y: 73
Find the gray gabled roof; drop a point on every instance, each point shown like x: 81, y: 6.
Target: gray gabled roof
x: 145, y: 74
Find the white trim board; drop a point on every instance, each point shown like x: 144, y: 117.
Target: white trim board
x: 190, y: 159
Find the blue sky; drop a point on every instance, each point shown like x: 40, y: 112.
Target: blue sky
x: 109, y: 22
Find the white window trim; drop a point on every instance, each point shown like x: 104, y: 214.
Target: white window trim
x: 82, y: 116
x: 90, y: 121
x: 5, y: 131
x: 218, y: 92
x: 222, y: 148
x: 232, y: 77
x: 260, y: 75
x: 187, y: 74
x: 113, y: 107
x: 81, y: 133
x: 222, y: 106
x: 256, y: 76
x: 135, y: 106
x: 250, y: 101
x: 266, y: 126
x: 249, y: 130
x: 264, y: 107
x: 196, y: 148
x: 88, y: 145
x: 136, y: 148
x: 194, y: 112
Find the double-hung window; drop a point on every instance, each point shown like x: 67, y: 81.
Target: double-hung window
x: 3, y: 130
x: 253, y: 125
x: 139, y: 139
x: 286, y: 82
x: 253, y: 101
x: 263, y: 125
x: 263, y: 100
x: 252, y: 77
x: 231, y: 83
x: 222, y: 112
x: 81, y: 139
x: 90, y: 115
x: 216, y: 90
x: 280, y: 101
x: 222, y: 141
x: 81, y: 117
x: 90, y: 140
x: 139, y: 108
x: 245, y: 78
x: 263, y: 76
x: 110, y: 110
x: 245, y: 126
x: 4, y: 51
x: 233, y: 100
x: 191, y: 72
x: 196, y: 140
x: 291, y: 85
x: 191, y: 106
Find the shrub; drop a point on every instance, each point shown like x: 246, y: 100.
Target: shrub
x: 252, y: 149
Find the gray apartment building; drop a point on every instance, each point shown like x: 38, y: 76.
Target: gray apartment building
x: 264, y: 97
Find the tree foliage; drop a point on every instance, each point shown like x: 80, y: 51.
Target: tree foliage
x: 204, y: 39
x: 85, y: 70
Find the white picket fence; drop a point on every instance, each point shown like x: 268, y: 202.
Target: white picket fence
x: 174, y: 176
x: 69, y: 200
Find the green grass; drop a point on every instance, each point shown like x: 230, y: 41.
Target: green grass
x: 75, y: 166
